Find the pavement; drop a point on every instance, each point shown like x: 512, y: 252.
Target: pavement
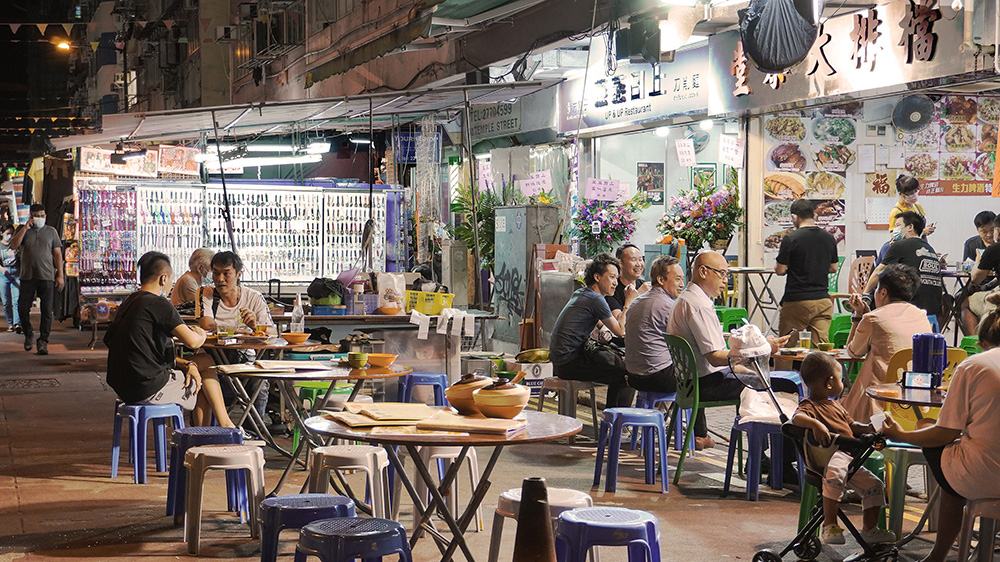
x: 58, y: 501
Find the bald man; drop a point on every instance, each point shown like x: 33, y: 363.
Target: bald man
x: 694, y: 319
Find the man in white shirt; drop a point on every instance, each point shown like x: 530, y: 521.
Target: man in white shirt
x: 695, y: 320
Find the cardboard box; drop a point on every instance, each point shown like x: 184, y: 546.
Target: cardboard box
x: 536, y: 374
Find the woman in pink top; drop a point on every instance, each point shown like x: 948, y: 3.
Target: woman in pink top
x: 877, y: 335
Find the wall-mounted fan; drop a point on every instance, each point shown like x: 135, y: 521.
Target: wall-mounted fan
x: 913, y: 113
x: 778, y: 34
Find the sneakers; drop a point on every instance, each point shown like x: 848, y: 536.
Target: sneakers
x: 701, y: 443
x: 28, y: 342
x: 250, y: 438
x: 878, y: 536
x: 17, y: 328
x: 832, y: 534
x: 43, y: 347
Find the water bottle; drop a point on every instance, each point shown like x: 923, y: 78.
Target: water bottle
x: 298, y: 325
x: 930, y: 355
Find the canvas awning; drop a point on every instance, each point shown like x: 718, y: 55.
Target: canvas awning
x: 280, y: 117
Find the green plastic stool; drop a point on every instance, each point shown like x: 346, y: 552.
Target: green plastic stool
x: 311, y: 390
x: 971, y: 345
x: 810, y: 495
x: 731, y: 317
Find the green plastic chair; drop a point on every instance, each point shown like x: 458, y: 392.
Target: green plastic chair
x: 971, y: 345
x: 686, y: 371
x: 311, y: 390
x: 731, y: 317
x: 833, y: 281
x: 840, y: 323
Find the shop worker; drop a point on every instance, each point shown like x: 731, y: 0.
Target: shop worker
x: 914, y: 251
x: 694, y: 319
x: 807, y: 256
x: 199, y: 273
x: 41, y: 273
x: 646, y: 356
x: 908, y: 189
x: 142, y: 368
x: 630, y: 282
x: 983, y: 297
x: 573, y: 354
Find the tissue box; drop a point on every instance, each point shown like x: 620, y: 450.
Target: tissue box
x: 536, y: 374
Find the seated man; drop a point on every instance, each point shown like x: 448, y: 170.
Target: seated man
x: 914, y: 251
x: 199, y: 273
x: 573, y: 355
x: 694, y: 319
x: 630, y: 283
x: 983, y: 238
x: 646, y: 356
x: 141, y: 361
x: 982, y: 297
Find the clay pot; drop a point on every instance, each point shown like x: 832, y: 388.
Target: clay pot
x: 501, y: 399
x: 460, y: 394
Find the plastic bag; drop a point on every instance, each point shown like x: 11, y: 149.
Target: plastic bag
x: 756, y: 406
x: 391, y: 291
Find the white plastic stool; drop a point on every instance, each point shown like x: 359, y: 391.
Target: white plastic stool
x: 374, y: 461
x: 428, y: 456
x: 199, y: 460
x: 567, y: 391
x: 988, y: 510
x: 509, y: 504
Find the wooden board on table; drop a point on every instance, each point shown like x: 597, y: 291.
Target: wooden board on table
x: 450, y: 421
x: 396, y: 411
x: 293, y: 365
x: 249, y: 368
x: 361, y: 420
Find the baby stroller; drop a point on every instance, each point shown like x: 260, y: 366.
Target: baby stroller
x: 749, y: 352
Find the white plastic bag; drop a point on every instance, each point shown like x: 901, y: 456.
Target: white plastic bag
x: 757, y: 406
x: 391, y: 291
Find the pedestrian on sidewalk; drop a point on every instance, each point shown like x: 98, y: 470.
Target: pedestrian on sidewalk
x: 40, y: 251
x: 9, y: 283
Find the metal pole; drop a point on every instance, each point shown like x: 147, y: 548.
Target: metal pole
x: 476, y: 275
x: 226, y: 216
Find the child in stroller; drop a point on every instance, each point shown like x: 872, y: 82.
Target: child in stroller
x: 822, y: 414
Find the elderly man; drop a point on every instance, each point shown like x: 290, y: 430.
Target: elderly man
x: 694, y: 319
x: 646, y: 356
x: 199, y: 273
x: 630, y: 283
x: 41, y: 275
x: 574, y: 356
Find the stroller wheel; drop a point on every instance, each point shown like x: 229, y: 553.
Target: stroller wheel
x: 766, y: 556
x: 808, y: 549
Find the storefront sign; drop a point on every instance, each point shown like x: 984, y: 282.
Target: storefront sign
x: 884, y: 47
x: 405, y: 147
x: 685, y: 152
x: 636, y: 93
x: 178, y: 160
x: 495, y: 120
x: 602, y: 190
x: 99, y: 161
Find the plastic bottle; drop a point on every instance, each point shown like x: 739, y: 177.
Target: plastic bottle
x: 298, y: 325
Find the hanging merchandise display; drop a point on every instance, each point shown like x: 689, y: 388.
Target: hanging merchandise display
x: 107, y: 230
x: 170, y: 220
x: 346, y: 214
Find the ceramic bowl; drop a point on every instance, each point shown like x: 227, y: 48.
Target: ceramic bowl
x: 294, y: 338
x: 460, y: 394
x: 381, y: 359
x: 501, y: 399
x: 389, y: 310
x: 825, y: 346
x: 357, y: 360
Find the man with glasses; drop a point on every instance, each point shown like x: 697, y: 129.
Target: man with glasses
x: 807, y: 256
x: 694, y: 319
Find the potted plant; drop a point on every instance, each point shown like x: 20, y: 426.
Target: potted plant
x: 705, y: 214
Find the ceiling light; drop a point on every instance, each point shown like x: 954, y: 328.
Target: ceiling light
x: 706, y: 125
x: 255, y: 161
x: 360, y: 140
x: 63, y: 45
x: 662, y: 131
x: 123, y: 154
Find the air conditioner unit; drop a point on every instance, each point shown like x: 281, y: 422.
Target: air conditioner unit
x: 247, y: 10
x: 224, y: 33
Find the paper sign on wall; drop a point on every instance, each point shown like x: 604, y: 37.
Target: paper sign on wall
x: 624, y: 192
x: 685, y: 152
x: 485, y: 174
x: 537, y: 183
x: 604, y: 190
x: 730, y: 150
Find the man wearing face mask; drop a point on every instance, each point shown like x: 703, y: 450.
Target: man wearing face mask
x: 199, y: 273
x: 41, y: 274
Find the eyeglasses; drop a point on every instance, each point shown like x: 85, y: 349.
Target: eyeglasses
x: 722, y: 273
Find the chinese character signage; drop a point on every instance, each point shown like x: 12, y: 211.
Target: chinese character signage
x: 685, y: 152
x: 99, y: 161
x: 537, y: 183
x: 731, y: 150
x: 602, y: 190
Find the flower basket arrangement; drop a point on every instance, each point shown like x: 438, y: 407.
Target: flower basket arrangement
x: 705, y: 213
x: 605, y: 225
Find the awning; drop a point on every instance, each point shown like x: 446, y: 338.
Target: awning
x: 275, y: 118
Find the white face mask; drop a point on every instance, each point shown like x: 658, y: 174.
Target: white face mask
x: 39, y: 222
x: 6, y: 238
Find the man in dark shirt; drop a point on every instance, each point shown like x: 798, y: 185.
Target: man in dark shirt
x: 573, y: 356
x: 41, y: 274
x: 982, y: 298
x: 984, y: 237
x: 915, y: 252
x: 141, y: 351
x: 808, y: 256
x: 630, y: 283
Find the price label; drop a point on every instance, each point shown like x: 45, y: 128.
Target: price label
x: 602, y: 190
x: 685, y: 152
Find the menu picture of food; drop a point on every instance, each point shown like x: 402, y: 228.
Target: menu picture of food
x: 786, y: 157
x: 784, y: 185
x: 785, y: 128
x: 825, y: 185
x: 833, y: 157
x: 988, y: 138
x: 922, y: 165
x: 829, y: 212
x: 984, y: 166
x: 958, y: 166
x: 839, y: 130
x: 989, y: 110
x: 928, y: 138
x: 958, y: 138
x: 959, y: 109
x: 778, y: 213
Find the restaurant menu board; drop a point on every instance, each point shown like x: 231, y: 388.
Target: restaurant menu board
x: 808, y: 155
x: 955, y: 154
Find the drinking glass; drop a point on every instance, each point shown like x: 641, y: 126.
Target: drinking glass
x: 805, y: 339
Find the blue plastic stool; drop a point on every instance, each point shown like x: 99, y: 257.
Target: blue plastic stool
x: 580, y: 529
x: 139, y: 415
x: 294, y: 512
x: 438, y: 380
x: 184, y: 439
x: 646, y: 399
x: 792, y: 377
x: 932, y: 318
x: 757, y: 437
x: 346, y: 538
x: 611, y: 437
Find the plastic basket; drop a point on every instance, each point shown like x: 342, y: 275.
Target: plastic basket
x: 428, y: 303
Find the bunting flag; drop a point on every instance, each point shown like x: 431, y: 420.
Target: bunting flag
x: 91, y: 27
x: 205, y: 24
x: 94, y: 45
x: 140, y: 24
x: 169, y: 24
x: 68, y: 27
x: 41, y: 27
x: 14, y: 27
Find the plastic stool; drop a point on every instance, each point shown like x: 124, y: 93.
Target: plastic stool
x: 437, y: 380
x: 311, y: 391
x: 932, y: 318
x: 509, y: 504
x: 139, y: 415
x: 374, y: 461
x: 580, y: 529
x: 347, y: 538
x: 971, y: 345
x: 198, y: 460
x: 294, y: 512
x: 988, y: 510
x: 792, y: 377
x: 645, y: 399
x: 614, y: 420
x: 182, y: 440
x: 731, y: 317
x: 567, y: 391
x: 899, y: 458
x: 757, y: 432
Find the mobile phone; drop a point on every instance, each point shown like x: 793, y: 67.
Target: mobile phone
x: 789, y: 332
